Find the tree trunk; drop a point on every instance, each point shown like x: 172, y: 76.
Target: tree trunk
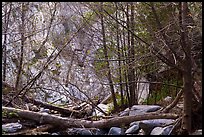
x: 107, y: 62
x: 125, y: 63
x: 22, y: 31
x: 132, y: 54
x: 187, y: 67
x: 131, y: 73
x: 64, y: 122
x: 119, y: 58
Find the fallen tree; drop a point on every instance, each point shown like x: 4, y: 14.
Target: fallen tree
x: 65, y: 111
x: 65, y: 122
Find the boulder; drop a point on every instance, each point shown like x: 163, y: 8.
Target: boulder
x: 132, y: 130
x: 142, y: 109
x: 162, y: 131
x: 148, y: 125
x: 124, y: 112
x: 134, y: 123
x: 11, y: 127
x: 79, y: 131
x: 141, y: 132
x: 101, y: 132
x: 116, y: 131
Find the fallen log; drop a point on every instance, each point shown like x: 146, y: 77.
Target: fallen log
x: 65, y: 111
x: 64, y: 122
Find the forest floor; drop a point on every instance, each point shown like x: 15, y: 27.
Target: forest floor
x: 31, y: 117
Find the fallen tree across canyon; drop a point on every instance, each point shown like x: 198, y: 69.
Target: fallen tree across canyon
x: 65, y: 122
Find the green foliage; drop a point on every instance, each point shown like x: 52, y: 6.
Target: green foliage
x: 165, y: 91
x: 99, y: 65
x: 109, y: 7
x: 118, y: 98
x: 13, y: 114
x: 89, y: 17
x: 4, y: 113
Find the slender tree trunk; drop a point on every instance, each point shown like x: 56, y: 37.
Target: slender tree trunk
x: 187, y: 67
x: 132, y: 54
x: 22, y: 31
x: 131, y: 73
x: 107, y: 62
x: 129, y: 60
x: 119, y: 57
x: 125, y: 55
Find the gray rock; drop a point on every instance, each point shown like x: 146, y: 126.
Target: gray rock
x: 85, y: 132
x: 78, y: 131
x: 134, y: 123
x: 168, y: 99
x: 148, y: 125
x: 44, y: 110
x: 142, y: 109
x: 125, y: 112
x: 11, y: 127
x: 157, y: 131
x: 116, y: 131
x: 101, y: 132
x: 162, y: 131
x: 133, y: 129
x: 54, y: 134
x: 141, y: 132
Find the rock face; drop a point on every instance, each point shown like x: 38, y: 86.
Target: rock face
x: 11, y: 127
x: 116, y: 131
x: 142, y: 109
x: 143, y: 90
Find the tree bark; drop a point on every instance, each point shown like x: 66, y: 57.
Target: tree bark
x: 23, y: 39
x: 129, y: 59
x: 64, y: 122
x: 132, y: 56
x: 65, y: 111
x: 107, y: 62
x: 119, y: 57
x: 187, y: 67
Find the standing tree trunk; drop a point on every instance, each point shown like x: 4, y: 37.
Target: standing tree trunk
x: 132, y: 54
x: 187, y: 68
x: 131, y: 71
x: 107, y: 62
x: 125, y: 63
x: 22, y: 31
x: 119, y: 57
